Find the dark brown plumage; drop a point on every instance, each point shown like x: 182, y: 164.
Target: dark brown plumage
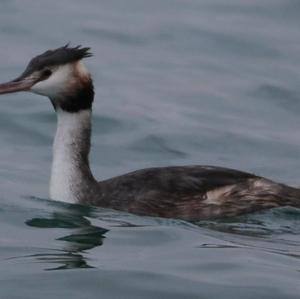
x: 59, y: 56
x: 193, y: 192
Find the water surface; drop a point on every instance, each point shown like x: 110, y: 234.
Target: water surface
x: 177, y: 82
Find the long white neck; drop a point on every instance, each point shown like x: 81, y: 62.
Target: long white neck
x: 71, y: 178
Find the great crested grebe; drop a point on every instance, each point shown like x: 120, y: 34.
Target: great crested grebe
x: 184, y: 192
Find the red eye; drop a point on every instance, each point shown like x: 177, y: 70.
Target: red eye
x: 46, y: 73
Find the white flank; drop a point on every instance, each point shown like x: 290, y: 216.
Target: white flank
x: 215, y: 196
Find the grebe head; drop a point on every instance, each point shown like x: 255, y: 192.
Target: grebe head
x: 60, y: 75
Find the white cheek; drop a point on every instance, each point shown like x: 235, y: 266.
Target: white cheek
x: 81, y: 69
x: 55, y: 84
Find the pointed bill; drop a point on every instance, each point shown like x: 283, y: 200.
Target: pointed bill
x: 17, y: 85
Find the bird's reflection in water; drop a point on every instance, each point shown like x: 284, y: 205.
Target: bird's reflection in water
x: 83, y: 236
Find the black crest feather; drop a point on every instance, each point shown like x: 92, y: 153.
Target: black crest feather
x: 57, y: 56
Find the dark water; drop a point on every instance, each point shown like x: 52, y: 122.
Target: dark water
x: 177, y: 82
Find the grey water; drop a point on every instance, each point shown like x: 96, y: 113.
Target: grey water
x: 177, y: 82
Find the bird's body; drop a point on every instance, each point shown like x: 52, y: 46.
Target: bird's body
x: 194, y: 192
x: 185, y: 192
